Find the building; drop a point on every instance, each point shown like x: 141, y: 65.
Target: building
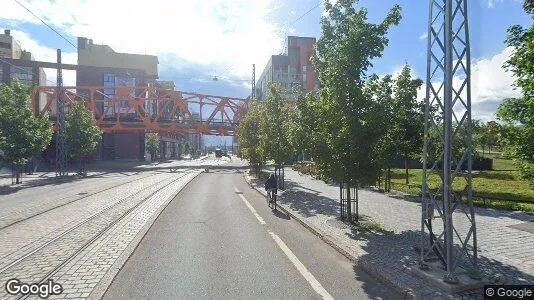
x: 11, y: 49
x: 100, y: 65
x: 292, y: 70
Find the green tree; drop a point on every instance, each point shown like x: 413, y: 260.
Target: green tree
x: 81, y: 134
x: 408, y: 119
x: 248, y: 136
x: 152, y: 144
x: 302, y: 123
x: 381, y: 90
x: 520, y: 111
x: 275, y: 129
x: 22, y: 135
x: 349, y: 126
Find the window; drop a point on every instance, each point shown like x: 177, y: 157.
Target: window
x: 109, y: 79
x: 5, y: 45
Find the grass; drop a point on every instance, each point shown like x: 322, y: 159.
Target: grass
x: 374, y: 226
x: 498, y: 185
x: 500, y: 163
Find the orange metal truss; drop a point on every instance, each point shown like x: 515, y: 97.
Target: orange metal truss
x: 149, y: 109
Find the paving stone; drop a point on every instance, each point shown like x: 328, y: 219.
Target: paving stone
x: 502, y: 249
x: 87, y: 268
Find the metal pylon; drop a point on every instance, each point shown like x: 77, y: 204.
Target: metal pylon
x: 61, y: 153
x: 450, y: 234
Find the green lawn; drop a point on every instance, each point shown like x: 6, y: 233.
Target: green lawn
x: 493, y: 184
x: 500, y: 163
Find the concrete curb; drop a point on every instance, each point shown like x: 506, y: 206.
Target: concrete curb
x: 407, y: 293
x: 102, y: 286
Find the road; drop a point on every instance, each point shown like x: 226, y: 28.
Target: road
x: 75, y: 232
x: 217, y: 239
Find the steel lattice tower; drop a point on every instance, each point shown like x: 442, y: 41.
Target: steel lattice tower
x: 61, y: 155
x: 447, y: 150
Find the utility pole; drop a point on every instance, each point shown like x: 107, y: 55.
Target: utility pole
x: 253, y: 94
x: 61, y: 155
x: 448, y: 90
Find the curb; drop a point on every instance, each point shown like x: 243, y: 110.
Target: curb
x: 407, y: 293
x: 102, y: 286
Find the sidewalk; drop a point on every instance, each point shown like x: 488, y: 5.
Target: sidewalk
x: 385, y: 249
x: 94, y: 169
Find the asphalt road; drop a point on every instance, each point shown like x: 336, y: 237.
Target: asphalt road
x: 209, y: 244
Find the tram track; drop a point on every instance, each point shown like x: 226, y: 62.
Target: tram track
x: 109, y: 209
x: 109, y: 217
x: 72, y: 201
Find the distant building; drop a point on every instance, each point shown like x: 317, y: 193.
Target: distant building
x: 10, y: 48
x: 105, y: 67
x: 292, y: 70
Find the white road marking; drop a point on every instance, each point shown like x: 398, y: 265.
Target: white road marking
x: 301, y: 268
x: 260, y: 219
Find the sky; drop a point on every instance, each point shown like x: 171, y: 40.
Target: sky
x: 196, y: 40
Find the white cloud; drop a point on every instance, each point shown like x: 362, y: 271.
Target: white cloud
x: 423, y: 36
x: 490, y: 85
x: 43, y: 53
x: 491, y: 3
x: 222, y: 33
x: 490, y: 81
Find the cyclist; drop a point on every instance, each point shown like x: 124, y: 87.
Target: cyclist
x: 270, y: 186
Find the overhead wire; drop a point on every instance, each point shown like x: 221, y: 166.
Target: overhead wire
x: 46, y: 24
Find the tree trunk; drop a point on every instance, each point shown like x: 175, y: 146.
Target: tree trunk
x: 406, y: 169
x: 389, y: 179
x: 356, y: 198
x: 17, y: 175
x: 349, y: 208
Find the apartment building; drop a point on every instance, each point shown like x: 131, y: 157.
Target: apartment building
x: 100, y: 65
x: 12, y: 50
x: 291, y: 70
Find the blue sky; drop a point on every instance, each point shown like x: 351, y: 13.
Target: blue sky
x: 198, y: 39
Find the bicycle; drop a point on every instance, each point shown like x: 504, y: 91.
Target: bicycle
x: 272, y: 199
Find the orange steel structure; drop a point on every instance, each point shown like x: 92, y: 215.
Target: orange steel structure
x: 149, y: 109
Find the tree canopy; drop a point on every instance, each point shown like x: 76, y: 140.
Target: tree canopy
x: 348, y: 127
x: 520, y: 111
x: 23, y: 135
x: 81, y: 132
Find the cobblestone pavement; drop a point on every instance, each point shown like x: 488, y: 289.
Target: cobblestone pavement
x: 76, y: 242
x: 505, y: 253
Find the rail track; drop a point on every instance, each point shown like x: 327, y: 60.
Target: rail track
x: 71, y: 202
x: 85, y: 233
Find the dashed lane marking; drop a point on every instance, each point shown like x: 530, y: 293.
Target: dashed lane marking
x: 260, y: 219
x: 315, y: 284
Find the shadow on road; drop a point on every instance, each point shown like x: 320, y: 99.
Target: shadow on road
x: 281, y: 214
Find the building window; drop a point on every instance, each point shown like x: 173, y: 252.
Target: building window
x: 5, y: 45
x: 109, y: 79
